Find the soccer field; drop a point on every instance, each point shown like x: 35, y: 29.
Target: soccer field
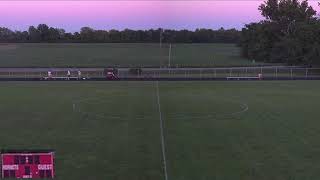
x: 212, y: 130
x: 125, y: 55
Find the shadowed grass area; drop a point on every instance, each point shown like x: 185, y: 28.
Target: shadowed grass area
x: 276, y: 137
x: 213, y: 130
x: 107, y: 131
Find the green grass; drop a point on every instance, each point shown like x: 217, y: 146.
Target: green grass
x: 99, y: 55
x: 213, y: 130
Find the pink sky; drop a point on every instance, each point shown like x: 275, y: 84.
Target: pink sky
x: 72, y: 15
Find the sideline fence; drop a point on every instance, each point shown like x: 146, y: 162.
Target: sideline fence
x: 241, y: 72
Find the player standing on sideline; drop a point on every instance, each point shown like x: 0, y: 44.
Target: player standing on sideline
x: 260, y: 76
x: 68, y: 75
x: 79, y: 74
x: 49, y: 74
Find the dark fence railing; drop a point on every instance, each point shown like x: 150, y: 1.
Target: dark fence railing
x: 227, y: 73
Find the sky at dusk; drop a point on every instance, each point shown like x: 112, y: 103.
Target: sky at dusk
x: 72, y: 15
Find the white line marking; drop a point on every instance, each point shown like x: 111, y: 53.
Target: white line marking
x: 245, y: 108
x: 162, y: 135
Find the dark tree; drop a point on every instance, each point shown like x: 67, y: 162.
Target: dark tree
x: 289, y: 34
x: 87, y: 34
x: 34, y: 34
x: 44, y: 32
x: 6, y: 35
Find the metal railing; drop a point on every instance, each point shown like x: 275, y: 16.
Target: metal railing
x: 266, y: 72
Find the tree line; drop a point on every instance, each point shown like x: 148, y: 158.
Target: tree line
x: 289, y: 33
x: 44, y: 33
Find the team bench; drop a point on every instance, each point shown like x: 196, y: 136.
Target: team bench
x: 62, y: 78
x: 243, y: 77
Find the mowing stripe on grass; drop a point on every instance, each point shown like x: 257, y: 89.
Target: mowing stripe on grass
x: 163, y: 148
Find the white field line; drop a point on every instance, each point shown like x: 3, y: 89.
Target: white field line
x: 163, y: 148
x: 245, y: 108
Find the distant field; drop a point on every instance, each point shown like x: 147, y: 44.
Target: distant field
x: 213, y: 130
x: 95, y: 55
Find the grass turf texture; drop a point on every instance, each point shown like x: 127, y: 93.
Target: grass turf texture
x: 213, y: 130
x: 95, y: 55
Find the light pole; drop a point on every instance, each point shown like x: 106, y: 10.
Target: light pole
x: 160, y: 45
x: 160, y: 37
x: 170, y: 55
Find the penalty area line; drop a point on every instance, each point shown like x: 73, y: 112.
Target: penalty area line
x: 163, y: 148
